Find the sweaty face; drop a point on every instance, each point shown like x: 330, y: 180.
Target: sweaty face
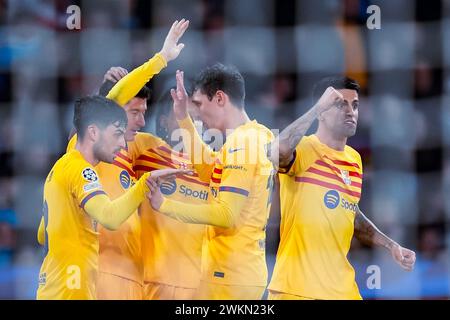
x: 209, y: 111
x: 135, y: 110
x: 111, y: 140
x: 342, y: 120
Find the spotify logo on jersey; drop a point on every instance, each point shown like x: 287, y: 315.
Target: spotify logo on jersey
x: 331, y: 199
x: 168, y: 188
x: 125, y: 179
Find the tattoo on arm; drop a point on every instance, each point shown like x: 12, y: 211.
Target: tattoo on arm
x: 369, y: 234
x: 285, y: 144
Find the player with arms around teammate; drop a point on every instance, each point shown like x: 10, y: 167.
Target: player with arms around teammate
x: 75, y: 201
x: 320, y: 187
x: 240, y: 186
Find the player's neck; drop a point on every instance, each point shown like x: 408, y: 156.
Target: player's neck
x: 237, y: 118
x: 330, y: 140
x: 87, y: 152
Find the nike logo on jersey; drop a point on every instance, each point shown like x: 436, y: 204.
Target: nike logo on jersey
x: 234, y: 150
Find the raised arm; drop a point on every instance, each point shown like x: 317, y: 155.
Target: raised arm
x: 283, y: 147
x: 369, y: 234
x: 201, y: 155
x: 130, y: 84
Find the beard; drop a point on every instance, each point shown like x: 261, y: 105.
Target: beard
x: 100, y: 154
x: 350, y: 132
x: 345, y: 131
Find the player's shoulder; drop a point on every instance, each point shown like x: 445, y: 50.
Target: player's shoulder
x: 145, y: 140
x: 253, y: 132
x: 259, y: 128
x: 72, y: 164
x: 353, y: 154
x: 308, y: 142
x: 147, y: 136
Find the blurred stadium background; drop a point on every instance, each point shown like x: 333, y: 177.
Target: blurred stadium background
x: 282, y: 48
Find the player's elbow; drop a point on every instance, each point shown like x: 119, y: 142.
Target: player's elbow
x: 228, y: 219
x: 284, y: 155
x: 279, y: 150
x: 110, y: 225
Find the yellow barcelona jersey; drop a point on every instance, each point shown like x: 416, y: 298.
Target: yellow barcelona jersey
x: 319, y: 195
x: 172, y: 250
x: 120, y: 250
x: 70, y: 265
x: 241, y: 184
x: 236, y: 255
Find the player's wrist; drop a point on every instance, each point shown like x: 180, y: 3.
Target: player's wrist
x: 163, y: 205
x: 390, y: 245
x: 163, y: 53
x: 167, y: 55
x: 317, y: 109
x: 182, y: 117
x: 142, y: 183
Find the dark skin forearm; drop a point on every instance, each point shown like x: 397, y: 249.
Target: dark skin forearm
x: 369, y: 234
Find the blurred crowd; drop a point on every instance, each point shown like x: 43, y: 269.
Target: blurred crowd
x: 281, y: 48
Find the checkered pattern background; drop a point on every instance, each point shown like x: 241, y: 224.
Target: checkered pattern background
x: 282, y: 48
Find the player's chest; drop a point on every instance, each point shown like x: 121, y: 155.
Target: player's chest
x: 116, y: 179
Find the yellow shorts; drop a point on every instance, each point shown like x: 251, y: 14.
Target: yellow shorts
x: 213, y: 291
x: 158, y: 291
x: 275, y: 295
x: 112, y: 287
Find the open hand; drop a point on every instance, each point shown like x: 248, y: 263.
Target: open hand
x: 180, y: 97
x: 171, y: 48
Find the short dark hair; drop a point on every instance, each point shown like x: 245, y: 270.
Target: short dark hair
x: 105, y: 88
x: 97, y: 110
x: 221, y: 77
x: 337, y: 82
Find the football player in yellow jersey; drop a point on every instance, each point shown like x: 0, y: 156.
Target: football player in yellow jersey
x: 75, y: 201
x: 240, y: 186
x: 120, y: 268
x: 320, y: 187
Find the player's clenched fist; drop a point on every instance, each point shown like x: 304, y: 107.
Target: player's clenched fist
x: 330, y: 98
x: 404, y: 257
